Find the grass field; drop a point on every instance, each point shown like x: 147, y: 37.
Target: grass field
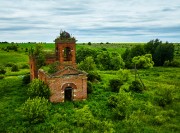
x: 145, y: 115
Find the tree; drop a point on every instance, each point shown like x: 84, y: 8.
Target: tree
x: 103, y: 59
x: 163, y: 53
x: 144, y: 61
x: 38, y: 88
x: 82, y: 53
x: 137, y: 50
x: 38, y: 55
x: 151, y: 46
x: 93, y: 76
x: 127, y: 58
x: 89, y: 43
x: 35, y: 110
x: 160, y: 52
x: 87, y: 65
x: 116, y: 62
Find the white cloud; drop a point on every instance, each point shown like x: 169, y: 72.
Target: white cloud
x: 102, y: 20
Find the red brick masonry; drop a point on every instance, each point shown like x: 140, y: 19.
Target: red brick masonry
x: 67, y: 76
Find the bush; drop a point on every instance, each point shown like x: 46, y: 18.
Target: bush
x: 123, y: 75
x: 121, y: 105
x: 2, y: 70
x: 173, y: 63
x: 9, y: 64
x: 113, y: 101
x: 26, y: 79
x: 92, y: 76
x: 1, y: 76
x: 89, y: 87
x: 35, y: 110
x: 38, y: 88
x: 164, y: 95
x: 115, y: 84
x: 14, y: 68
x: 136, y: 86
x: 86, y: 122
x: 53, y: 67
x: 24, y: 66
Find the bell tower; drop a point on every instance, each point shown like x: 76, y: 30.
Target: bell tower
x: 65, y: 49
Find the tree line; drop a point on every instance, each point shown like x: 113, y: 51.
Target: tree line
x: 144, y: 56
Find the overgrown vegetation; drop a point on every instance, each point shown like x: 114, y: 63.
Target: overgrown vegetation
x: 38, y: 88
x: 35, y: 110
x: 64, y: 37
x: 131, y: 108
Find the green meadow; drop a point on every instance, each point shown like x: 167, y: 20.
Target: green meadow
x: 155, y: 110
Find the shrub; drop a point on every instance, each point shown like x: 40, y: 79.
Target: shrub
x: 86, y: 122
x: 159, y: 120
x: 85, y: 118
x: 35, y: 110
x: 14, y: 68
x: 2, y: 70
x: 123, y: 75
x: 38, y: 88
x: 120, y: 105
x: 9, y: 64
x: 89, y: 87
x: 113, y: 101
x: 136, y: 86
x: 1, y: 76
x: 53, y: 67
x: 173, y: 63
x: 115, y: 84
x: 92, y: 76
x: 26, y: 79
x: 164, y: 95
x: 24, y: 66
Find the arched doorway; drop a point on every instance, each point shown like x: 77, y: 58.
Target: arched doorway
x: 68, y: 94
x: 69, y: 89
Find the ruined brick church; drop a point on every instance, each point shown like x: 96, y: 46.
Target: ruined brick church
x: 68, y: 83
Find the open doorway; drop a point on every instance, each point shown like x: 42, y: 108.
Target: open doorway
x: 68, y: 94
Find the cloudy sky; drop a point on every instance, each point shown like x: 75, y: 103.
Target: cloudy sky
x: 90, y: 20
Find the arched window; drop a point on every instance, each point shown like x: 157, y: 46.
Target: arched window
x: 67, y: 54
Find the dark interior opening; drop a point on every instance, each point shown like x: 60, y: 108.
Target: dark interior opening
x: 67, y: 54
x: 68, y: 94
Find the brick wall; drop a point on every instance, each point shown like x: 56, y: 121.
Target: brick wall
x: 57, y: 85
